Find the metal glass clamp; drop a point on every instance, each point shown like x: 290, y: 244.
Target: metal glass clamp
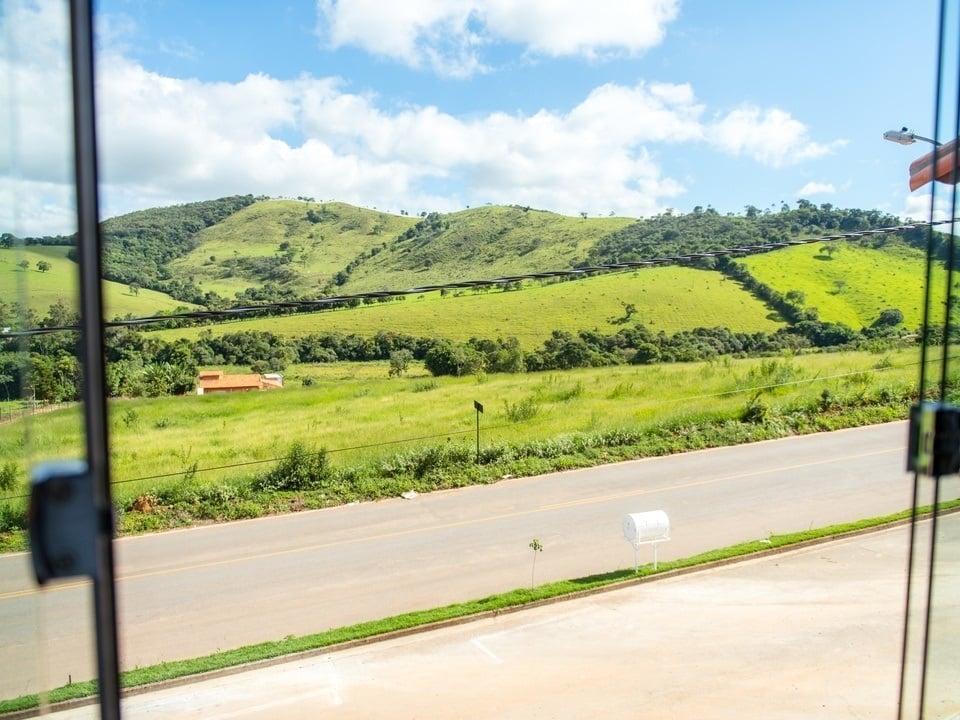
x: 63, y: 521
x: 934, y: 443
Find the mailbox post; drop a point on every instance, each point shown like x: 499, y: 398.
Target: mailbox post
x: 646, y: 528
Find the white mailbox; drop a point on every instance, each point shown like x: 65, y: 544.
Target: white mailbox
x: 646, y: 528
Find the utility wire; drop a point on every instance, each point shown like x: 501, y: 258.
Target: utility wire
x: 188, y: 471
x: 335, y: 300
x: 191, y: 470
x: 735, y: 391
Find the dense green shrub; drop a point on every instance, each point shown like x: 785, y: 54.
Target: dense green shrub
x: 8, y: 477
x: 448, y: 358
x: 301, y: 469
x: 521, y: 410
x: 12, y: 518
x: 755, y: 412
x: 420, y: 461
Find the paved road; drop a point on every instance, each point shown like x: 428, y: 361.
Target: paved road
x: 814, y: 633
x: 185, y: 593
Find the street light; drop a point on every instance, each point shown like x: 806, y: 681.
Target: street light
x: 903, y: 136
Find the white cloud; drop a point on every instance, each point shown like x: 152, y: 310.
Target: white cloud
x: 772, y: 137
x: 917, y: 205
x: 166, y: 140
x: 448, y: 35
x: 816, y: 188
x: 179, y: 48
x: 29, y: 207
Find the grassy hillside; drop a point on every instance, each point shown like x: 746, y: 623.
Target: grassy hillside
x: 482, y: 242
x: 870, y: 280
x: 60, y: 283
x: 666, y: 298
x: 318, y: 239
x: 264, y: 250
x: 162, y: 435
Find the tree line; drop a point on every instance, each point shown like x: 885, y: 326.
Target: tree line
x: 706, y: 230
x: 139, y: 364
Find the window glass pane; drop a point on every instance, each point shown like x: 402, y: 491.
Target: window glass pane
x: 46, y: 639
x: 930, y: 689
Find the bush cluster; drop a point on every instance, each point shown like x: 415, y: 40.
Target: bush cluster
x: 300, y: 469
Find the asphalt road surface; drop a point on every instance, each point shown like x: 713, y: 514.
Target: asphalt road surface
x: 812, y: 633
x: 191, y: 592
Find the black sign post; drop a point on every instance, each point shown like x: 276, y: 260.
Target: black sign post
x: 479, y: 408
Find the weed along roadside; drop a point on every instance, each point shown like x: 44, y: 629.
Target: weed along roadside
x: 553, y: 425
x: 164, y: 674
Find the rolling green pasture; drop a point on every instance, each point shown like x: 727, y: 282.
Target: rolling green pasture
x: 875, y: 279
x: 666, y: 298
x: 484, y: 242
x: 322, y: 249
x: 478, y: 242
x: 352, y: 405
x: 60, y: 283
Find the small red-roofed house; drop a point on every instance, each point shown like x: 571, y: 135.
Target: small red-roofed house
x: 215, y: 381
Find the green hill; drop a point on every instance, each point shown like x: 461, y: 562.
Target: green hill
x: 481, y: 242
x: 43, y: 289
x: 665, y: 298
x: 297, y: 245
x: 247, y: 249
x: 138, y: 246
x: 854, y: 284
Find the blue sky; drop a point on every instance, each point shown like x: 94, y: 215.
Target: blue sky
x: 629, y: 107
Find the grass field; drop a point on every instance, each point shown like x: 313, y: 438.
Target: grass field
x: 321, y: 249
x: 874, y: 280
x: 347, y: 407
x: 43, y: 289
x: 484, y: 242
x: 666, y: 298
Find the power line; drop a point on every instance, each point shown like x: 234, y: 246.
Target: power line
x: 188, y: 471
x: 735, y: 391
x: 192, y: 470
x: 335, y: 300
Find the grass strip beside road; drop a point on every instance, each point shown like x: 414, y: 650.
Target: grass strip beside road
x: 163, y: 672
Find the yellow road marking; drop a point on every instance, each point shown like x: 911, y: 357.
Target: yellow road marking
x: 447, y: 526
x: 710, y: 481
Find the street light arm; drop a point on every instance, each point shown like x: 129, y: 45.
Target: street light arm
x: 904, y: 136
